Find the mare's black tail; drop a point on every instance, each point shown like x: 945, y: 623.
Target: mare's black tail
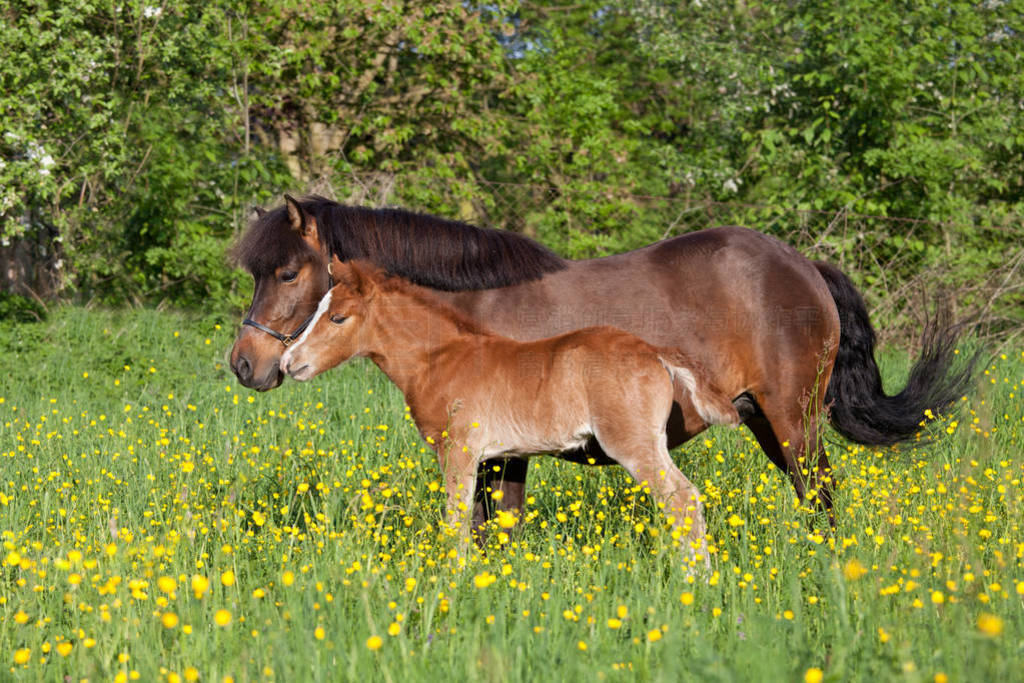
x: 859, y: 408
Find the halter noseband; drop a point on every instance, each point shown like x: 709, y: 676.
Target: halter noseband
x: 287, y: 339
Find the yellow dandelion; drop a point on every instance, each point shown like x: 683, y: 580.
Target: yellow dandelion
x: 813, y: 675
x: 374, y: 642
x: 938, y: 597
x: 191, y: 673
x: 654, y: 635
x: 288, y: 578
x: 394, y: 628
x: 686, y: 598
x: 22, y: 655
x: 222, y: 617
x: 228, y: 578
x: 64, y: 648
x: 319, y: 633
x: 169, y: 619
x: 614, y: 623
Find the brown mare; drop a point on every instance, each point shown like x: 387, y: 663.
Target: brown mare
x: 787, y: 339
x: 477, y: 396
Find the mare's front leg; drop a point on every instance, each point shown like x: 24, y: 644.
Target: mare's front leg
x: 505, y: 477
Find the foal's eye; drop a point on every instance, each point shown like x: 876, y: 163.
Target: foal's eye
x: 289, y: 276
x: 338, y: 319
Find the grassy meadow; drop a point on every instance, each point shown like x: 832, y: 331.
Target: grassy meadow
x: 162, y: 523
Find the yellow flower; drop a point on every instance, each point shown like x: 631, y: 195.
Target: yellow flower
x: 990, y: 624
x: 169, y: 619
x: 686, y: 598
x: 484, y: 579
x: 506, y: 520
x: 614, y: 623
x: 938, y: 598
x: 21, y: 656
x: 854, y: 570
x: 191, y: 673
x: 654, y: 635
x: 394, y: 628
x: 319, y: 633
x: 64, y: 648
x: 166, y: 584
x: 288, y: 578
x: 222, y: 617
x: 813, y: 675
x: 228, y: 578
x: 374, y: 642
x: 200, y: 584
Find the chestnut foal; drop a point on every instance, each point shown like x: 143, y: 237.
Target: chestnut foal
x: 476, y: 395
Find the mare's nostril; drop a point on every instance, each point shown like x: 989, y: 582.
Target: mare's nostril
x: 242, y: 369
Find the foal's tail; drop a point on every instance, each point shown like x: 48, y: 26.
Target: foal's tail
x: 860, y: 409
x: 692, y: 382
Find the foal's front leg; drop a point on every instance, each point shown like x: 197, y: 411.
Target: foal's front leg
x: 459, y: 470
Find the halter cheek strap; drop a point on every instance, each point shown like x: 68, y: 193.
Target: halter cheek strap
x: 287, y: 339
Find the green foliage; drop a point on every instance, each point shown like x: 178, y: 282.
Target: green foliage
x: 14, y: 307
x: 136, y: 137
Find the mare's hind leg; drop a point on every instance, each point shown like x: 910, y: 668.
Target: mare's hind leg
x: 646, y: 458
x: 789, y: 431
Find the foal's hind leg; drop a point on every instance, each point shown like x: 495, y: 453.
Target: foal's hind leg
x: 646, y: 458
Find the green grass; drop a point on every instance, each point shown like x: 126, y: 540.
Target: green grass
x: 133, y: 468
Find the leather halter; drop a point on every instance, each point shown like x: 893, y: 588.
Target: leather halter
x: 287, y: 339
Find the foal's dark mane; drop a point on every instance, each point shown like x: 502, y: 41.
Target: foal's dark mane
x: 427, y: 250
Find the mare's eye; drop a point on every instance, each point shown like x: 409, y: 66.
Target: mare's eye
x: 289, y: 276
x: 338, y: 319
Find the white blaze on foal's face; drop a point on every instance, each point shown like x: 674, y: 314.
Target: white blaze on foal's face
x: 326, y: 342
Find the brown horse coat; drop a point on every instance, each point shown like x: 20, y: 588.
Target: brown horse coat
x: 478, y: 396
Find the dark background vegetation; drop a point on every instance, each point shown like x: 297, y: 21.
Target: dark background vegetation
x: 884, y: 136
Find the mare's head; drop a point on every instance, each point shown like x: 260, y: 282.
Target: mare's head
x: 287, y: 250
x: 337, y: 331
x: 284, y: 252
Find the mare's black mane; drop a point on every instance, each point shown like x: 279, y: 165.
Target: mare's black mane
x: 424, y: 249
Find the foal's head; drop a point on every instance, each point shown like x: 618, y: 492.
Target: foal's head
x: 337, y: 332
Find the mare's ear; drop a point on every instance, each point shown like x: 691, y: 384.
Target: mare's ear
x: 258, y: 211
x: 303, y: 223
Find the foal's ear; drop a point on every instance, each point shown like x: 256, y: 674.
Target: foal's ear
x: 302, y: 222
x: 363, y: 278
